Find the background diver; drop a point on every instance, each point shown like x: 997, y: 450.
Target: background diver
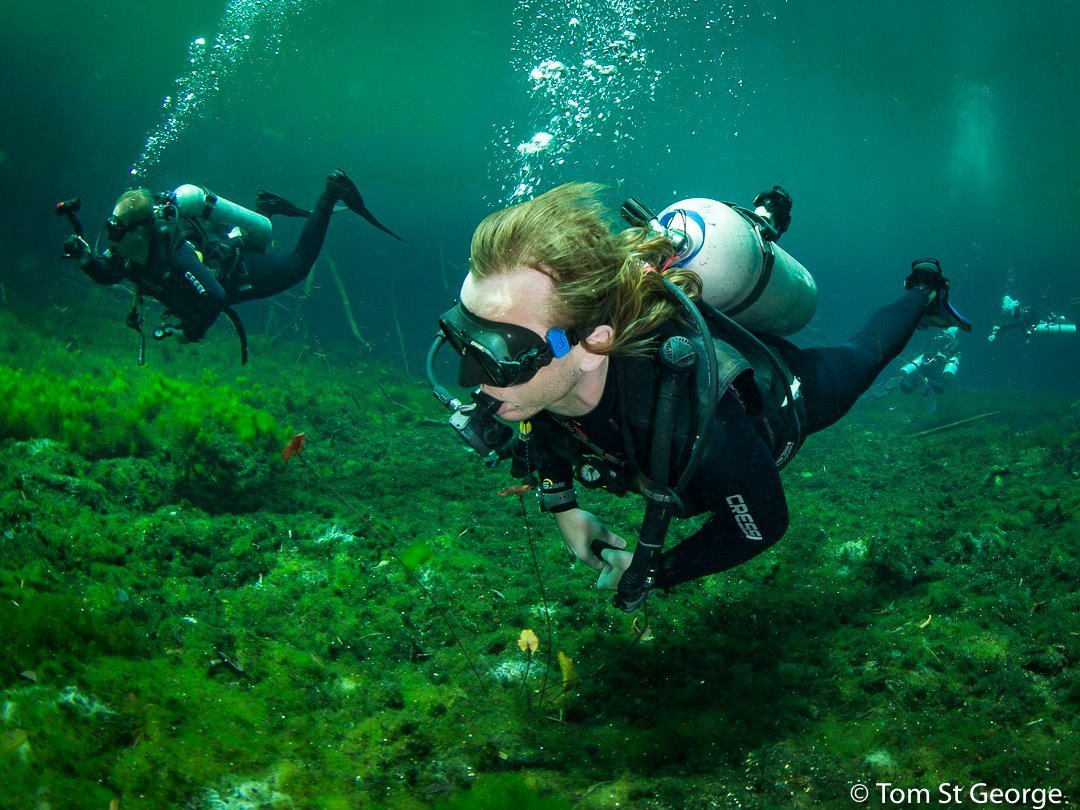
x: 928, y: 372
x: 199, y: 254
x: 575, y: 332
x: 1016, y: 316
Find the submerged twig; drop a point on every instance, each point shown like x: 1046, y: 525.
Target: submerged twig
x: 346, y: 305
x: 951, y: 425
x: 423, y: 419
x: 400, y: 337
x: 543, y: 594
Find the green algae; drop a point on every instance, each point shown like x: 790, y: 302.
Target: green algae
x: 189, y: 621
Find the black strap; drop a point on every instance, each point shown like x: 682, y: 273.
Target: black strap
x: 768, y: 257
x: 639, y: 577
x: 241, y: 333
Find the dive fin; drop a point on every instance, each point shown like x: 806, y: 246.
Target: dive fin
x: 929, y: 402
x: 342, y: 185
x: 362, y: 211
x: 267, y: 203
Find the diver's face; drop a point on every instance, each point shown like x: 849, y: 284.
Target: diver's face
x: 522, y: 297
x: 134, y: 244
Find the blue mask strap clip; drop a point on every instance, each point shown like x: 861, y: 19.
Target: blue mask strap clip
x: 559, y: 342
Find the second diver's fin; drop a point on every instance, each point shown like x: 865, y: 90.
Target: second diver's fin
x: 929, y: 402
x: 362, y: 211
x: 349, y: 194
x: 267, y: 203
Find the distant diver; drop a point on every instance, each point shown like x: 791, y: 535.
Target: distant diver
x: 1016, y: 316
x: 199, y: 254
x: 928, y: 372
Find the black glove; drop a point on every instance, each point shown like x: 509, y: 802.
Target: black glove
x: 75, y: 247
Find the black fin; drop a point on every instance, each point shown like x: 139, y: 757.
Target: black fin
x: 267, y: 203
x: 346, y: 191
x: 356, y: 203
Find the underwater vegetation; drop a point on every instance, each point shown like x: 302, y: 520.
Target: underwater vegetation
x: 189, y: 621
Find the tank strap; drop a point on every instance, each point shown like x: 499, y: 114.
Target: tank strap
x: 208, y: 204
x: 768, y: 259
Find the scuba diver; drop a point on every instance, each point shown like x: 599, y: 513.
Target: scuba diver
x: 614, y: 354
x: 199, y: 254
x: 927, y: 373
x: 1017, y: 316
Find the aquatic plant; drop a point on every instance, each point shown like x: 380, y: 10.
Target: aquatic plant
x: 528, y: 644
x: 345, y: 686
x: 294, y: 449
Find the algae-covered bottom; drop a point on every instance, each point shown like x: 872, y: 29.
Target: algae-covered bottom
x: 188, y: 621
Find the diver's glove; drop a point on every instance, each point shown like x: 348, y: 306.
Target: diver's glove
x: 777, y: 204
x: 926, y: 275
x: 75, y: 247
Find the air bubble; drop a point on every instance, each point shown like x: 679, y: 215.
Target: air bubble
x: 587, y: 68
x: 243, y: 23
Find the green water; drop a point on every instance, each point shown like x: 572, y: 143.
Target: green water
x: 187, y: 621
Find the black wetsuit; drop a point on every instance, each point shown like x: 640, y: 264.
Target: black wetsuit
x: 196, y: 293
x: 738, y: 475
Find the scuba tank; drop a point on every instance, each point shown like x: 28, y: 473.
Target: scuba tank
x: 910, y: 368
x: 951, y: 367
x: 220, y: 215
x: 1052, y: 328
x: 745, y: 275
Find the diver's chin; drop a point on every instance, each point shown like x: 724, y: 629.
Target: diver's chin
x: 511, y: 413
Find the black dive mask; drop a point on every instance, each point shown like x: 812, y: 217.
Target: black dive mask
x: 500, y: 354
x: 116, y: 229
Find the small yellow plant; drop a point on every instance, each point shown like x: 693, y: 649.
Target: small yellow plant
x: 528, y: 643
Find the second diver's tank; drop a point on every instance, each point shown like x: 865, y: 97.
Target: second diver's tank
x: 223, y: 215
x: 753, y: 281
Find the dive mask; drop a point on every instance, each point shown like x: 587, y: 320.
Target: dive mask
x: 500, y: 354
x: 116, y: 229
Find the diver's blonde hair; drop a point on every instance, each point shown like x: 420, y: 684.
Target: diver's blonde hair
x: 600, y: 277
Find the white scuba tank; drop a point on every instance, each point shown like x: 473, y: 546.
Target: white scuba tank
x: 910, y: 368
x: 755, y: 282
x: 223, y: 215
x: 1053, y: 328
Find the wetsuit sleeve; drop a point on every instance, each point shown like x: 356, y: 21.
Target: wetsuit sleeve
x: 557, y: 492
x: 554, y: 473
x: 738, y: 483
x: 194, y: 295
x: 105, y: 269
